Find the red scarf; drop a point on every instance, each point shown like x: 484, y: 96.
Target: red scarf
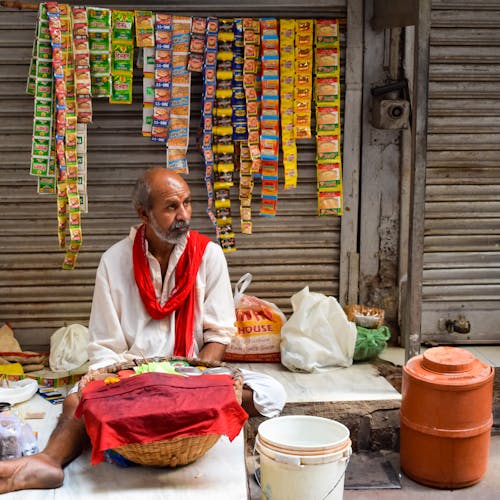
x: 182, y: 298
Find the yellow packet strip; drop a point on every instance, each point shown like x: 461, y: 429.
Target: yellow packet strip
x: 246, y: 186
x: 327, y: 97
x: 287, y: 85
x: 223, y: 141
x: 208, y: 105
x: 304, y: 30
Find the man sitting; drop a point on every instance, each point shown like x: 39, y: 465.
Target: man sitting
x: 164, y: 290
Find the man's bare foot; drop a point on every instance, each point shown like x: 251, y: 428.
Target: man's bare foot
x: 33, y: 472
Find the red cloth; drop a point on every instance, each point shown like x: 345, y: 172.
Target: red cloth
x: 183, y: 295
x: 155, y: 406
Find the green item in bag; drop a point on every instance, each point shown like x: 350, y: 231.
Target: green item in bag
x: 370, y: 342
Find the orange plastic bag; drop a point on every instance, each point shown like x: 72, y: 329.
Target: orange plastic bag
x: 259, y: 327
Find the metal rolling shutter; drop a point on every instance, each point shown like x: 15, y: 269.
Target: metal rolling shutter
x: 461, y: 274
x: 284, y: 254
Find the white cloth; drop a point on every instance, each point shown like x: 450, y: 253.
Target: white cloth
x: 120, y: 328
x: 269, y: 396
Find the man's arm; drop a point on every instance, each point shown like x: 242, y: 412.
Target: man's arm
x: 106, y: 338
x: 219, y: 316
x: 213, y: 351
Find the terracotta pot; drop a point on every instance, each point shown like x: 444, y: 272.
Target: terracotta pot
x: 446, y: 418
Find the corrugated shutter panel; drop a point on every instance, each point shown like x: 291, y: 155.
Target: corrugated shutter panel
x: 462, y: 211
x: 284, y: 254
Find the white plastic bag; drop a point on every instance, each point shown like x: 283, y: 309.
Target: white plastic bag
x: 16, y: 436
x: 68, y: 348
x: 318, y: 335
x: 18, y: 391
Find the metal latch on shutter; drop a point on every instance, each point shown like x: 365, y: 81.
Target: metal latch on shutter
x: 459, y: 325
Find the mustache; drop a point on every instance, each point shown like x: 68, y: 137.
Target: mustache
x: 181, y: 224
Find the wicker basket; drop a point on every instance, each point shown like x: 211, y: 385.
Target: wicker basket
x: 170, y: 452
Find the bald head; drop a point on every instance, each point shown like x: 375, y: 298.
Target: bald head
x: 152, y: 183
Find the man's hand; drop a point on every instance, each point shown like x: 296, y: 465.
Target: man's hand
x: 213, y: 351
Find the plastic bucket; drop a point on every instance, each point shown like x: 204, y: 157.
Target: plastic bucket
x: 302, y: 458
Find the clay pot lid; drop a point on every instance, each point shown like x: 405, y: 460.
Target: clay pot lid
x: 446, y: 359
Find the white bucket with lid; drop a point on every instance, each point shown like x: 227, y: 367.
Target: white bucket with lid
x: 302, y: 457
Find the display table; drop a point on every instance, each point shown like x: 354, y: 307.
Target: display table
x: 220, y: 473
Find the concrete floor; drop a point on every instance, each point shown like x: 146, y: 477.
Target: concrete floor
x: 486, y: 489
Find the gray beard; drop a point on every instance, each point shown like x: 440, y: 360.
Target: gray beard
x: 172, y: 236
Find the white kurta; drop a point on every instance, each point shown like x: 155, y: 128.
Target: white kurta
x: 121, y: 329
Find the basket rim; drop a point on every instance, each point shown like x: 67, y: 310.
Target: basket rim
x: 92, y: 375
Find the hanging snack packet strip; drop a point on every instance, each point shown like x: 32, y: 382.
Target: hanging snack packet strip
x: 148, y: 90
x: 81, y: 153
x: 197, y: 44
x: 99, y: 30
x: 304, y: 29
x: 162, y: 77
x: 47, y: 184
x: 60, y: 118
x: 207, y: 112
x: 145, y: 38
x: 240, y: 131
x: 245, y: 188
x: 81, y: 59
x: 180, y: 106
x: 62, y: 63
x: 122, y: 57
x: 43, y: 102
x: 144, y: 28
x: 239, y: 117
x: 223, y: 135
x: 75, y: 84
x: 251, y: 40
x: 250, y: 160
x: 31, y: 80
x: 287, y: 84
x: 269, y: 122
x: 327, y: 96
